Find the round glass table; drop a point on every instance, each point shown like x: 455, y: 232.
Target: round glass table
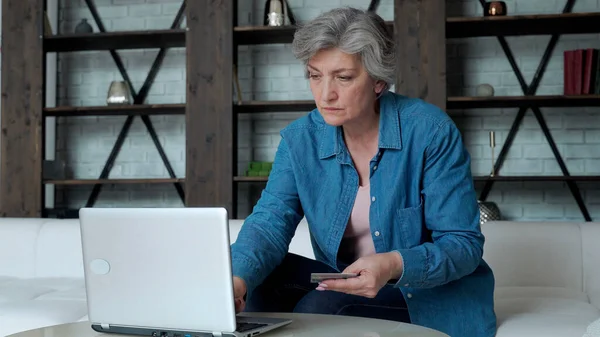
x: 303, y: 325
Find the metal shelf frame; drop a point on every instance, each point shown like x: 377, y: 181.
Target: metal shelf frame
x: 530, y: 90
x: 138, y: 100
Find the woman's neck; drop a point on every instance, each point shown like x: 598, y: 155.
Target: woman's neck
x: 364, y: 130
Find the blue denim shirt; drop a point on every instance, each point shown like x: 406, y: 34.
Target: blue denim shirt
x: 423, y: 205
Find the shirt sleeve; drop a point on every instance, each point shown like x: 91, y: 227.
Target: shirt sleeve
x: 451, y: 214
x: 264, y: 238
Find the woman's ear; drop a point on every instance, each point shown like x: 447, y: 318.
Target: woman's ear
x: 379, y: 86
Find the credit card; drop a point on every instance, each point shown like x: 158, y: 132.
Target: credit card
x: 318, y: 277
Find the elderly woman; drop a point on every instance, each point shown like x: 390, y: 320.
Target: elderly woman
x: 384, y: 182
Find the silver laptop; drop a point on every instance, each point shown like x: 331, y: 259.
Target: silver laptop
x: 162, y: 272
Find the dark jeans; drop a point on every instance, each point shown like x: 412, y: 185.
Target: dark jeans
x: 288, y: 289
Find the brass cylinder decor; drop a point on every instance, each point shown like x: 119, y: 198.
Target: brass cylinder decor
x: 118, y: 93
x: 494, y: 8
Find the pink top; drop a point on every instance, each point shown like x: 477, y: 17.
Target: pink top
x: 357, y: 241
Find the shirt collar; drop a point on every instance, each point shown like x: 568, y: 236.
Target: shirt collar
x: 332, y: 142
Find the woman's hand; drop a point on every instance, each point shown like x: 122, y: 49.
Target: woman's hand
x: 374, y: 272
x: 239, y: 291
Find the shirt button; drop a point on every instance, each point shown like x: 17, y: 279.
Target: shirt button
x: 373, y: 199
x: 409, y: 295
x: 374, y: 167
x: 376, y: 233
x: 406, y: 285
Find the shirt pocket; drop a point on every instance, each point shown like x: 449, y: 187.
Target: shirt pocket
x: 413, y: 231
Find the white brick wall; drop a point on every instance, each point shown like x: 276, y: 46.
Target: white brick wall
x: 270, y: 73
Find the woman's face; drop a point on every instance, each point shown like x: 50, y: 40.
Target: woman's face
x: 343, y: 90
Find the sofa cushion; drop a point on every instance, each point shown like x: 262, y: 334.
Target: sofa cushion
x: 542, y: 311
x: 544, y: 254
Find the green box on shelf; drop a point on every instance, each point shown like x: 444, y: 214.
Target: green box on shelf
x: 251, y: 173
x: 259, y: 168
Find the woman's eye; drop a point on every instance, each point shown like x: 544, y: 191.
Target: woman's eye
x: 345, y: 78
x: 314, y: 76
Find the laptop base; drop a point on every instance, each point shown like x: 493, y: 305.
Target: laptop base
x: 246, y: 327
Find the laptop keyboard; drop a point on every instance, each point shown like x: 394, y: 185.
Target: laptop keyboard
x: 246, y: 326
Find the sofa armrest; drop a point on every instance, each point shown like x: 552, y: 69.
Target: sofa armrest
x: 590, y: 236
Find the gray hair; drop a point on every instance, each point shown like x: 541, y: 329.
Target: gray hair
x: 354, y: 32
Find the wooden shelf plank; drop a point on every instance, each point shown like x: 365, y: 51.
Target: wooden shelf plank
x: 452, y: 103
x: 253, y: 35
x: 537, y: 178
x: 274, y: 106
x: 456, y: 27
x: 522, y: 101
x: 137, y: 39
x: 116, y: 110
x: 250, y: 179
x: 114, y: 181
x: 476, y: 178
x: 510, y: 25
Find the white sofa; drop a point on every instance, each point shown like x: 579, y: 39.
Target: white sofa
x: 547, y: 274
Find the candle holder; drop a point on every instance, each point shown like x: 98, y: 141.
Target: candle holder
x: 278, y: 13
x: 492, y: 146
x: 494, y: 8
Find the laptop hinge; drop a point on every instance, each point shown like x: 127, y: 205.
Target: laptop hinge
x: 217, y: 334
x: 105, y: 326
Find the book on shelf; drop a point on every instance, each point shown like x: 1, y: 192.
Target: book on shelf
x: 581, y: 71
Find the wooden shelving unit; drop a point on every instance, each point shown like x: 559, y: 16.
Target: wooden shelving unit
x: 22, y: 186
x: 211, y: 153
x: 433, y: 44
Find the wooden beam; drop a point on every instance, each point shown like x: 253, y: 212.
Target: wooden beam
x: 420, y: 36
x: 209, y: 117
x: 21, y: 193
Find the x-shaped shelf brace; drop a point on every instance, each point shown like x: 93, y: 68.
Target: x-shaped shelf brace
x: 530, y: 90
x: 138, y: 98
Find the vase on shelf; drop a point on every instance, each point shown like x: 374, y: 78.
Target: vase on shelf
x: 118, y: 93
x: 278, y: 13
x: 484, y: 90
x: 83, y: 27
x: 494, y: 8
x: 488, y: 211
